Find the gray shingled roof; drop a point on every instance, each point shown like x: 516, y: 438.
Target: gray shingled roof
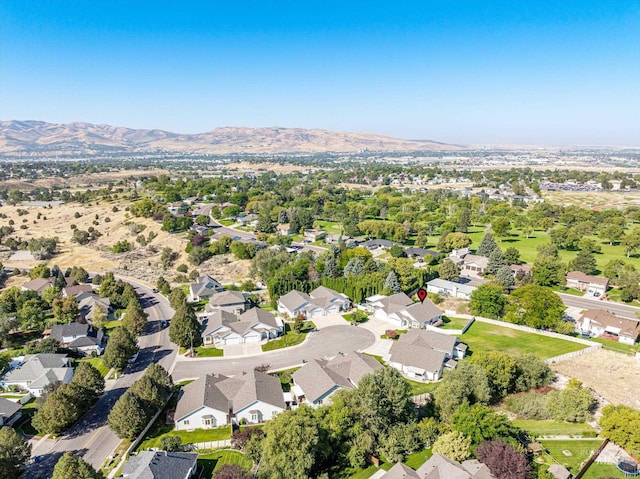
x: 70, y: 329
x: 294, y: 300
x: 159, y: 465
x: 219, y: 392
x: 255, y: 315
x: 429, y: 339
x: 225, y: 298
x: 8, y: 408
x: 422, y: 312
x: 240, y: 324
x: 318, y: 377
x: 35, y: 366
x: 400, y: 471
x: 416, y: 356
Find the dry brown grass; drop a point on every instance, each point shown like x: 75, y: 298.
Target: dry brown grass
x: 605, y: 199
x: 612, y: 375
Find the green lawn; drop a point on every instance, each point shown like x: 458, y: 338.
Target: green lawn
x: 453, y: 323
x: 212, y: 462
x: 209, y: 352
x: 363, y: 473
x: 488, y: 337
x: 616, y: 346
x: 97, y: 363
x: 538, y: 428
x: 417, y: 459
x: 290, y: 337
x: 579, y: 451
x: 285, y: 378
x: 596, y: 471
x: 188, y: 437
x: 111, y: 325
x: 227, y: 222
x: 330, y: 226
x: 418, y: 388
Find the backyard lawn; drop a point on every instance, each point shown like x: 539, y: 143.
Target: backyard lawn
x: 212, y: 462
x: 571, y: 454
x: 97, y: 363
x: 188, y: 437
x: 541, y: 428
x: 290, y: 337
x: 488, y: 337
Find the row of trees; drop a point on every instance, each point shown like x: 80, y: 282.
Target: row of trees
x: 61, y: 405
x: 133, y: 410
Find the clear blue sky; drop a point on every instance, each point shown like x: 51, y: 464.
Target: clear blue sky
x: 474, y: 72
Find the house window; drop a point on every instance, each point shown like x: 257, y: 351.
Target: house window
x: 274, y: 413
x: 254, y: 417
x: 185, y: 422
x: 206, y: 422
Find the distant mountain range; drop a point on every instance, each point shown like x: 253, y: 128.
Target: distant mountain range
x: 38, y: 137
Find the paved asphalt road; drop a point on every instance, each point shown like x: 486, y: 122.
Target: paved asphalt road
x: 91, y: 436
x: 327, y: 341
x: 618, y: 309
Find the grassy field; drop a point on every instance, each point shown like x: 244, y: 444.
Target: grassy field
x: 616, y: 346
x: 212, y: 462
x: 541, y: 428
x: 330, y: 226
x: 578, y: 452
x: 97, y: 363
x: 453, y: 323
x: 487, y: 337
x: 290, y: 337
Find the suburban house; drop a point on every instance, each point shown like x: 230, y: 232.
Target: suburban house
x: 222, y: 327
x: 230, y: 301
x: 35, y: 371
x: 9, y: 412
x: 400, y: 310
x: 77, y: 290
x: 422, y: 355
x: 204, y: 287
x: 161, y: 465
x: 81, y: 337
x: 317, y: 380
x: 314, y: 235
x: 284, y: 229
x: 320, y: 302
x: 444, y: 287
x: 378, y: 244
x: 40, y: 284
x: 88, y: 302
x: 422, y: 255
x: 438, y: 467
x: 588, y: 283
x: 215, y: 400
x: 520, y: 269
x: 177, y: 208
x: 598, y: 322
x: 470, y: 264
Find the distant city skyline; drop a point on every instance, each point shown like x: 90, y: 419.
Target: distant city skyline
x: 464, y: 72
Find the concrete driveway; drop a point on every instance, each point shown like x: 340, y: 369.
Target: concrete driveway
x: 239, y: 350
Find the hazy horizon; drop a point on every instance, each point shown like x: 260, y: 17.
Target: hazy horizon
x: 460, y: 72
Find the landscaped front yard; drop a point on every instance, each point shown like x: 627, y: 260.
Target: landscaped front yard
x: 97, y: 363
x: 488, y: 337
x: 290, y: 338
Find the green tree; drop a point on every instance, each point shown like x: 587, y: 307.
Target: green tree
x: 184, y: 329
x: 504, y: 278
x: 487, y: 245
x: 611, y: 232
x: 121, y: 346
x: 467, y: 383
x: 171, y: 444
x: 391, y: 283
x: 43, y: 248
x: 512, y: 255
x: 501, y: 370
x: 65, y: 310
x: 584, y: 261
x: 177, y: 298
x: 59, y: 411
x: 456, y: 240
x: 534, y: 306
x: 449, y: 270
x: 160, y: 376
x: 355, y: 267
x: 454, y: 445
x: 40, y: 271
x: 14, y: 452
x: 70, y: 466
x: 128, y: 417
x: 90, y: 382
x: 135, y: 319
x: 295, y: 445
x: 573, y: 404
x: 31, y: 315
x: 631, y: 241
x: 501, y: 227
x: 100, y: 318
x: 480, y: 423
x: 151, y: 393
x: 488, y: 300
x: 496, y: 261
x: 621, y: 424
x: 533, y: 372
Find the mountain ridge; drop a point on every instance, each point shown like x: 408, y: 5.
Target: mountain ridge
x: 34, y: 136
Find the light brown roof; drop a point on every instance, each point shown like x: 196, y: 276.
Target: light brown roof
x: 429, y: 340
x: 400, y: 471
x: 585, y: 278
x: 628, y: 327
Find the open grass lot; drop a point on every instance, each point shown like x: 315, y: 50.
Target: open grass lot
x: 487, y: 337
x: 617, y: 347
x: 290, y: 337
x: 97, y: 363
x: 212, y: 462
x: 579, y: 450
x: 552, y: 428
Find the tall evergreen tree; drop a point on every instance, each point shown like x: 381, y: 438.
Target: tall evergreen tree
x: 121, y: 346
x: 184, y: 329
x: 354, y: 267
x: 584, y: 261
x: 391, y: 284
x: 71, y: 466
x: 14, y: 452
x: 487, y: 245
x: 128, y: 417
x: 135, y: 319
x: 496, y: 261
